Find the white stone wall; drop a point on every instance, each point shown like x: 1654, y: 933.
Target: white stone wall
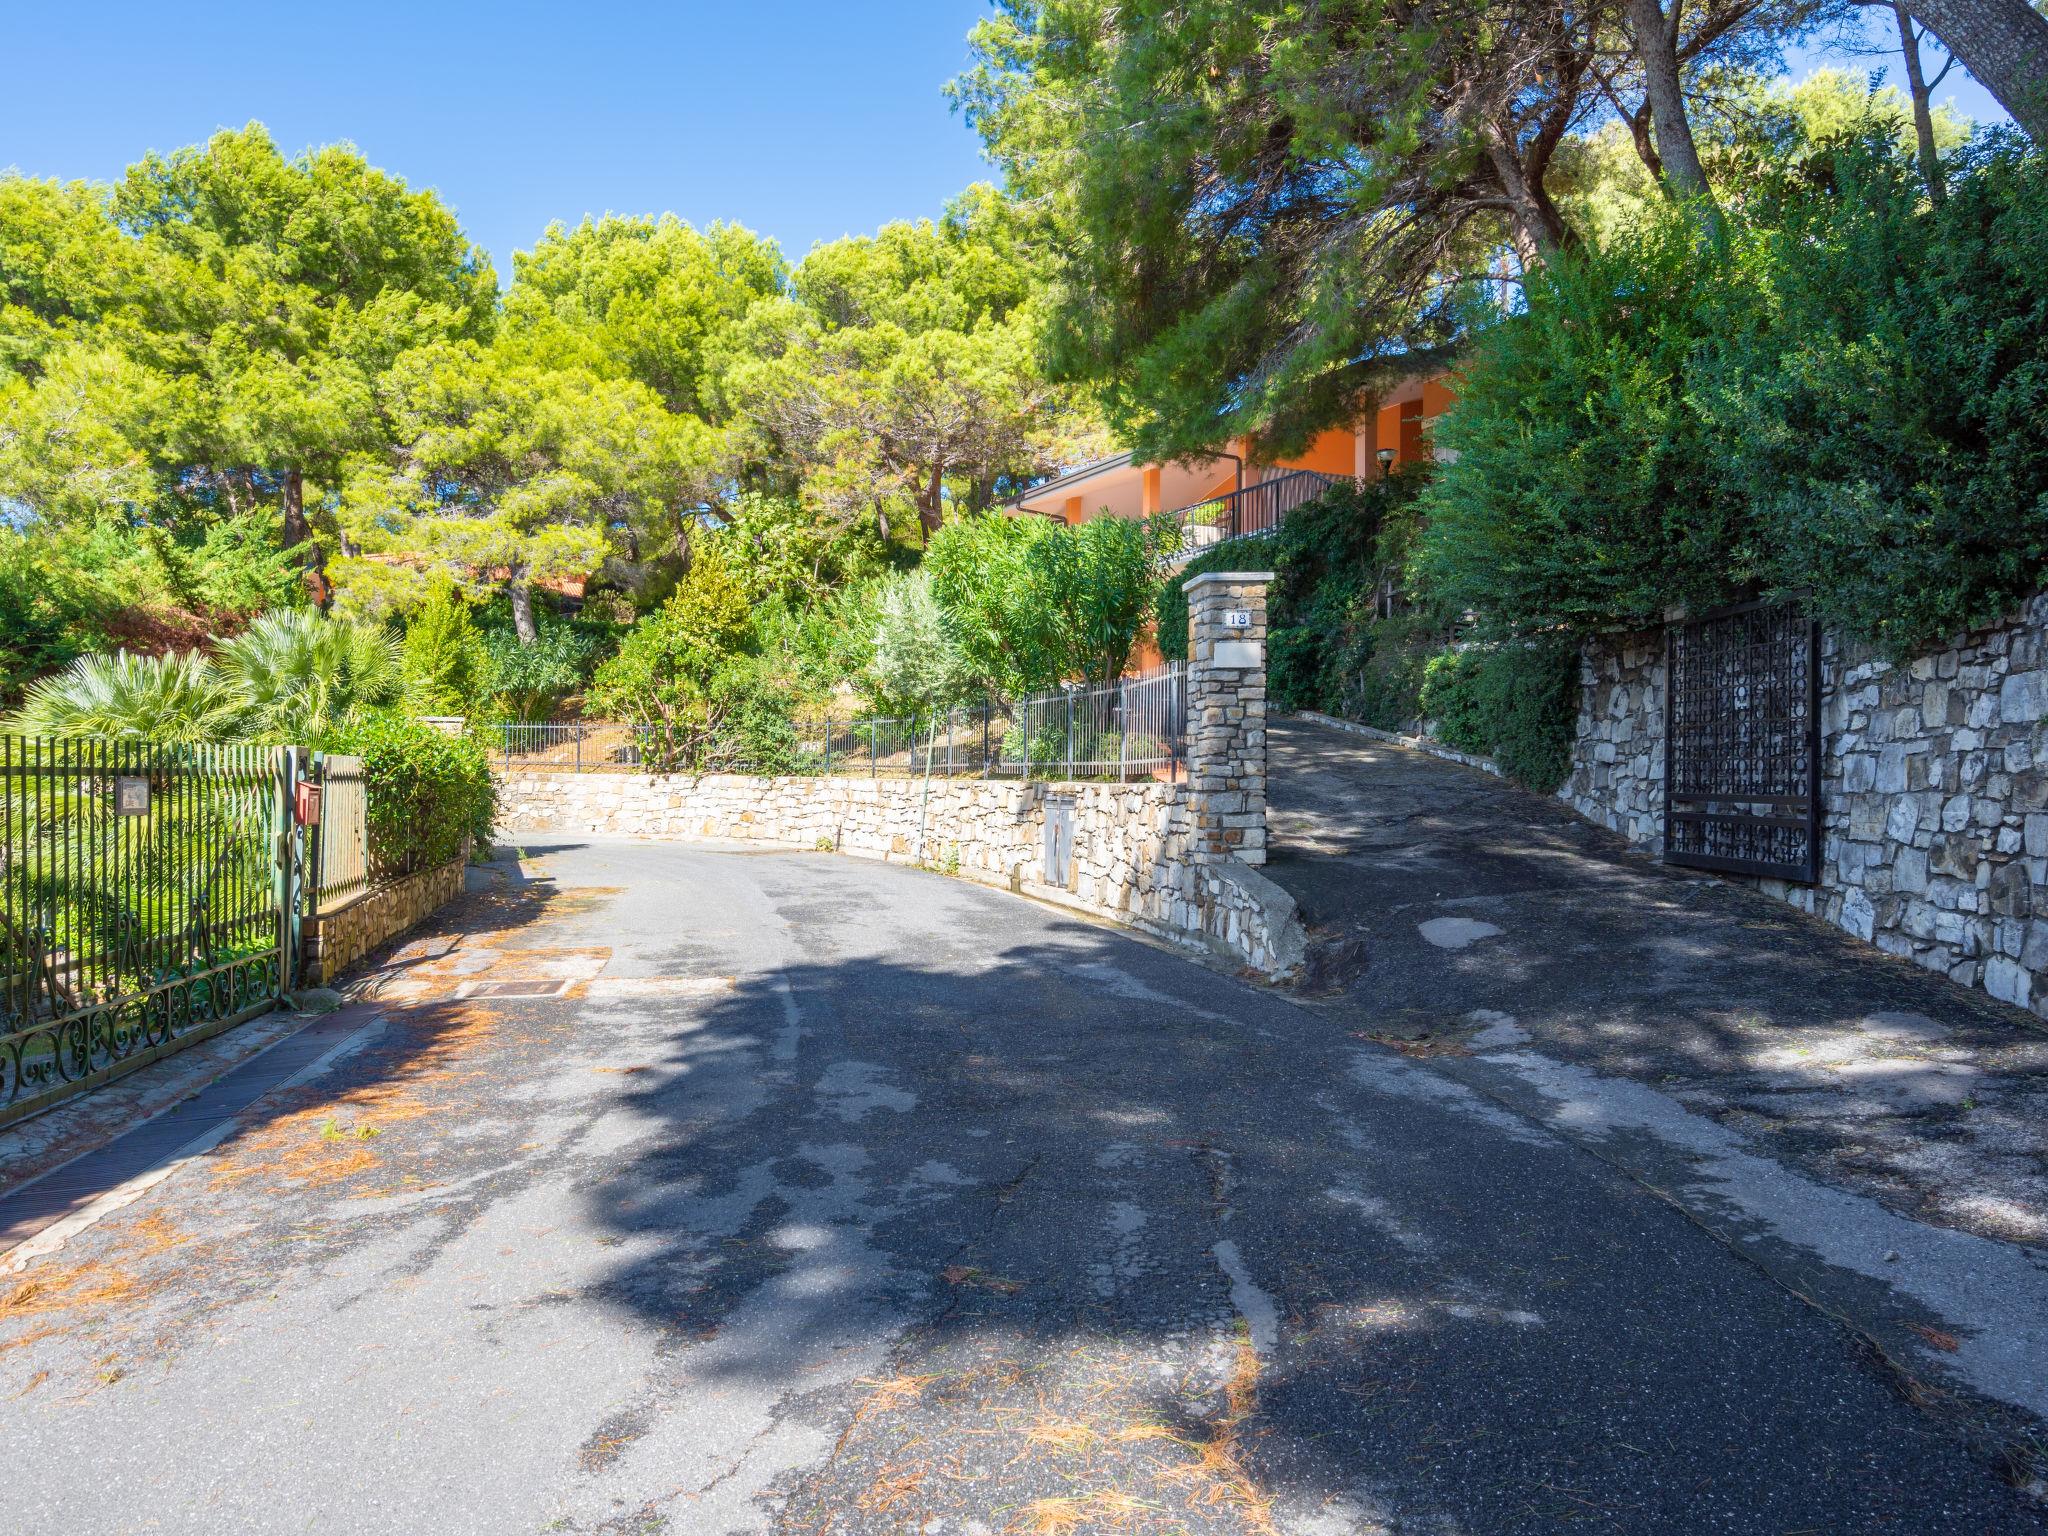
x: 1934, y: 782
x: 1133, y: 855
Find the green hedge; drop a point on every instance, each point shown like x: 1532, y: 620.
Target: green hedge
x: 1517, y: 703
x: 428, y: 791
x: 1836, y: 394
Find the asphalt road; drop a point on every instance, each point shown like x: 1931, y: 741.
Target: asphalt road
x: 839, y: 1197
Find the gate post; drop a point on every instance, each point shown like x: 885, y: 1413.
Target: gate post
x: 1226, y: 714
x: 285, y: 838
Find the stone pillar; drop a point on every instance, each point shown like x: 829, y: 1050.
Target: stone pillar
x: 1227, y: 714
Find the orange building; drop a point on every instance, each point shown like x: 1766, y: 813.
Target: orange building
x: 1234, y: 491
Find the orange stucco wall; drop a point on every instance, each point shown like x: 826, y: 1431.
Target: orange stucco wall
x: 1333, y: 453
x: 1400, y: 428
x: 1121, y: 488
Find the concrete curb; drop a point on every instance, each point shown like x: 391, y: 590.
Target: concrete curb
x: 1397, y: 739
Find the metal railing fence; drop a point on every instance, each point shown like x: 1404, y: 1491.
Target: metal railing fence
x: 1258, y: 508
x: 142, y: 903
x: 1135, y: 728
x: 582, y: 746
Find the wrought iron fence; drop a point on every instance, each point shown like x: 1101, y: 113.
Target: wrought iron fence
x: 1135, y: 728
x: 142, y: 904
x: 1258, y: 508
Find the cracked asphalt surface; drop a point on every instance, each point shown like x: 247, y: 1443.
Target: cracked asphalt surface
x: 828, y: 1196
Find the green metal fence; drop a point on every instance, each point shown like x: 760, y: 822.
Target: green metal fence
x: 147, y: 899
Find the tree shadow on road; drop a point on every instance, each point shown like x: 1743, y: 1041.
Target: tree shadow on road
x: 1120, y: 1245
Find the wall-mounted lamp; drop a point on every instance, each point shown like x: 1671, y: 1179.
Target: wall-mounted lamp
x: 1386, y: 458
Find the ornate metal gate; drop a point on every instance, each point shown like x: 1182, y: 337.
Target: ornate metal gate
x: 1742, y: 742
x: 147, y: 900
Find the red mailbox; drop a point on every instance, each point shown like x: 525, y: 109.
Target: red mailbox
x: 306, y: 803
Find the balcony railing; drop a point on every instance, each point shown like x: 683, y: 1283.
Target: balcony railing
x: 1255, y: 509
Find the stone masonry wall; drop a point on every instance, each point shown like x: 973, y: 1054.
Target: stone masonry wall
x: 1934, y: 785
x: 1133, y: 844
x: 333, y: 941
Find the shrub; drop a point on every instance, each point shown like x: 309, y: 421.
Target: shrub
x: 1888, y: 423
x: 664, y: 669
x: 1294, y: 669
x: 748, y: 725
x: 1517, y: 703
x: 1449, y: 697
x: 1033, y: 604
x: 917, y: 665
x: 178, y: 698
x: 1380, y: 668
x: 446, y: 664
x: 1583, y: 487
x: 529, y: 682
x: 1836, y: 394
x: 301, y: 676
x: 428, y: 791
x: 46, y: 619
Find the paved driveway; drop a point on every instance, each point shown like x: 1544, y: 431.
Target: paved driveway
x: 837, y: 1197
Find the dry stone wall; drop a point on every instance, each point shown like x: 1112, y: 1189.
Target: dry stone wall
x: 1133, y: 845
x: 1176, y: 860
x: 1227, y: 712
x: 1934, y: 783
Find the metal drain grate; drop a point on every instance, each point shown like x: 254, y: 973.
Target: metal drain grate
x: 535, y: 986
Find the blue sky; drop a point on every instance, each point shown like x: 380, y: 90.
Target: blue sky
x: 804, y: 120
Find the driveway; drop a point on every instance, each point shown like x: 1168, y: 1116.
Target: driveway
x: 1872, y: 1134
x: 823, y: 1196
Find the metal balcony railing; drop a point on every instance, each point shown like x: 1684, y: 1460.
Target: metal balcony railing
x: 1256, y: 509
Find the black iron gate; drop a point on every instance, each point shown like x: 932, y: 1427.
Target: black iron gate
x: 1742, y: 742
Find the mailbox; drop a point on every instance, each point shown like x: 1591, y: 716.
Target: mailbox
x: 306, y: 803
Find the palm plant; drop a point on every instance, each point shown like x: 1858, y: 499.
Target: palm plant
x: 301, y: 676
x: 181, y: 698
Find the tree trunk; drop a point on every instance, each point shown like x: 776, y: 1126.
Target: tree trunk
x: 295, y: 529
x: 931, y: 505
x: 521, y: 591
x: 1656, y: 47
x: 1646, y: 149
x: 2004, y: 43
x: 1540, y: 228
x: 1923, y: 119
